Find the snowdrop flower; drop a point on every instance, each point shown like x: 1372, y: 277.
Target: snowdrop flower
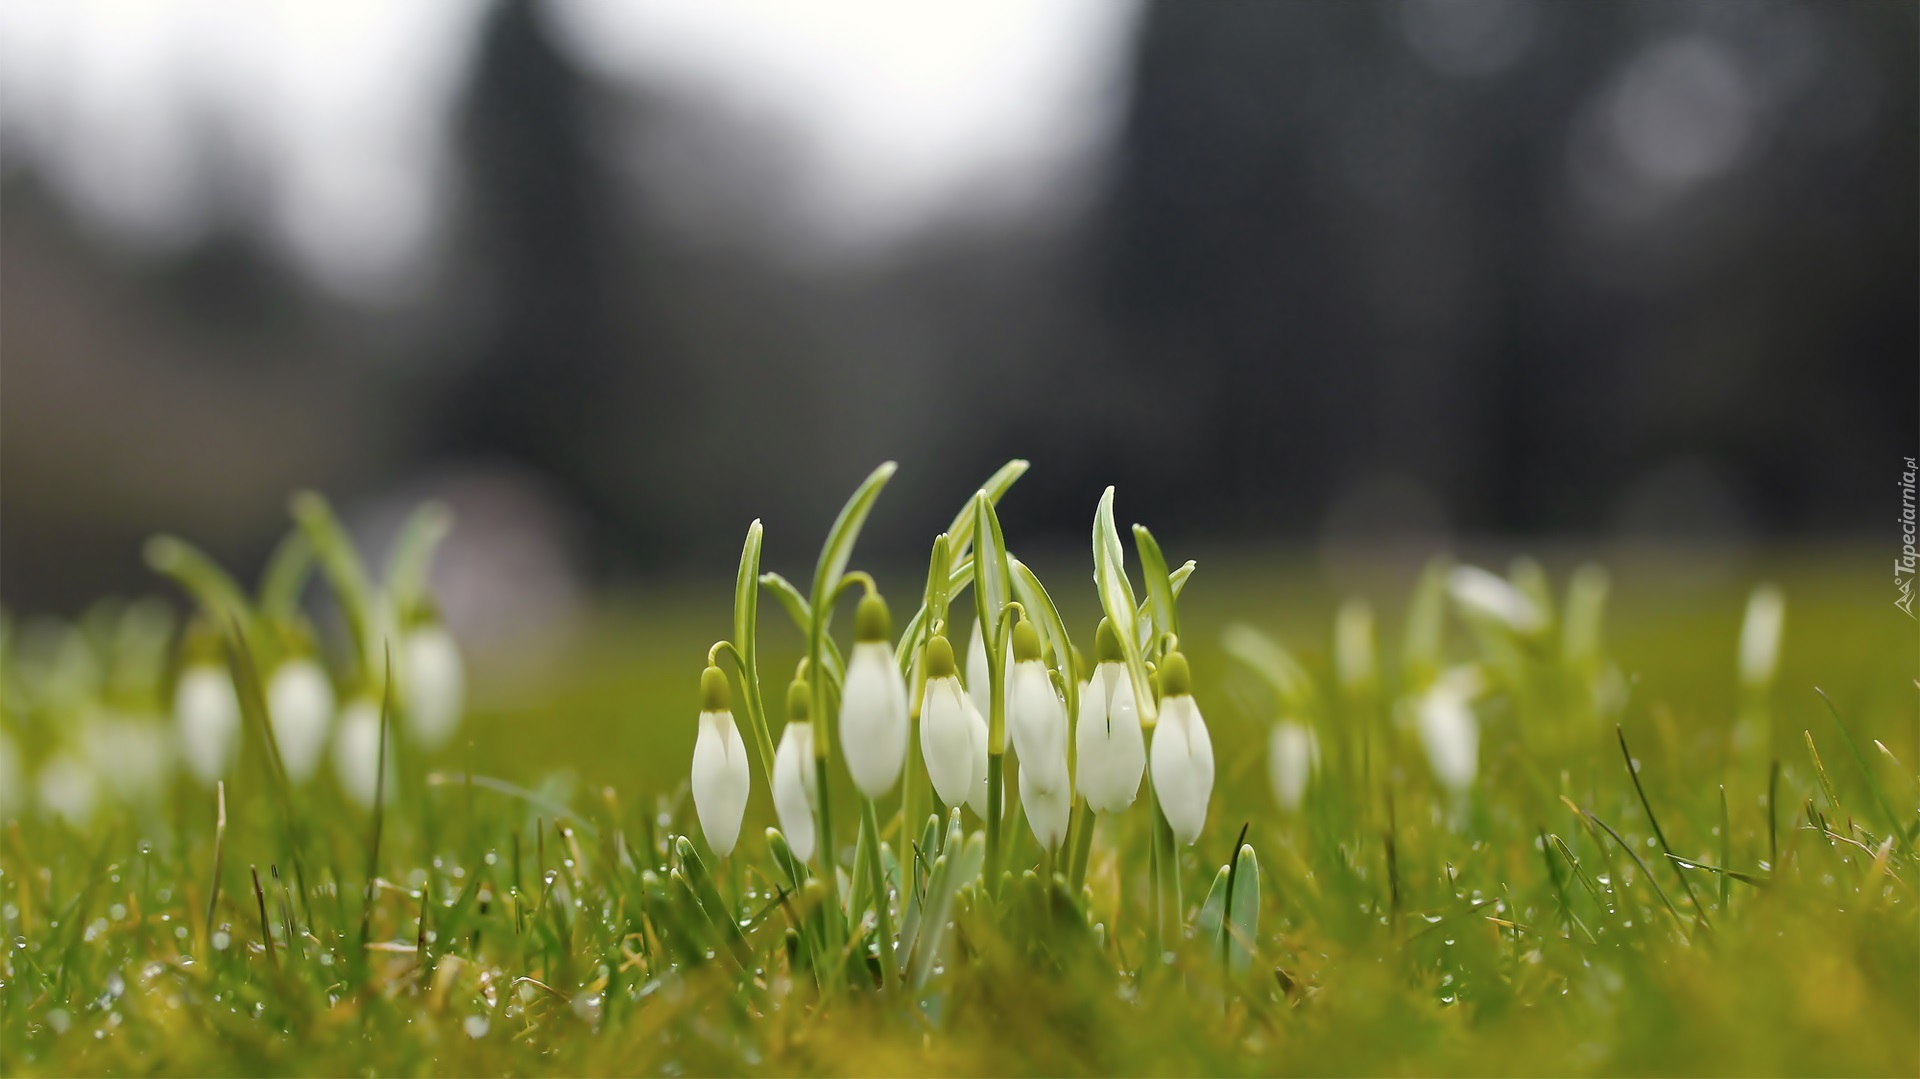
x: 1182, y: 752
x: 435, y: 685
x: 978, y: 679
x: 1449, y: 731
x: 207, y: 713
x: 1035, y: 717
x: 356, y: 752
x: 1113, y: 750
x: 1049, y: 804
x: 1487, y: 596
x: 720, y: 776
x: 68, y: 790
x: 1760, y: 637
x: 977, y: 789
x: 1293, y: 756
x: 300, y: 704
x: 873, y: 703
x: 946, y: 728
x: 795, y: 780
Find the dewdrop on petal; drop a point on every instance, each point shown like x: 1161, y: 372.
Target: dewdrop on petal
x: 435, y: 684
x: 356, y: 752
x: 1487, y: 596
x: 1112, y: 747
x: 873, y: 703
x: 1182, y: 753
x: 946, y: 728
x: 795, y: 783
x: 1293, y: 756
x: 1036, y: 718
x: 1760, y: 636
x: 300, y: 704
x: 206, y: 712
x: 720, y: 776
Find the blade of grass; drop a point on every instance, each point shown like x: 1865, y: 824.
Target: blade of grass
x: 1866, y: 770
x: 1633, y: 773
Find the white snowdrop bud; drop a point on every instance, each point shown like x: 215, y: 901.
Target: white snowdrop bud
x: 1035, y: 716
x: 1484, y: 595
x: 1293, y: 756
x: 795, y: 786
x: 946, y: 728
x: 356, y: 752
x: 1112, y: 748
x: 1449, y: 731
x: 1354, y: 651
x: 720, y: 776
x: 207, y: 713
x: 1182, y: 753
x: 1760, y: 636
x: 979, y: 688
x: 435, y: 684
x: 300, y: 703
x: 873, y: 703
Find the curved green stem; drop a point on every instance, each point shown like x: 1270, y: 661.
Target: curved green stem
x: 210, y: 586
x: 877, y: 884
x: 285, y: 577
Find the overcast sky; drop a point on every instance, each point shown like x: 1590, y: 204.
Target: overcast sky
x: 896, y: 107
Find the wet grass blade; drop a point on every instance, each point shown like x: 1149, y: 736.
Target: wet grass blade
x: 1866, y: 770
x: 1633, y: 773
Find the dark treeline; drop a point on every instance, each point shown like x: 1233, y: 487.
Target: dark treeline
x: 1539, y: 268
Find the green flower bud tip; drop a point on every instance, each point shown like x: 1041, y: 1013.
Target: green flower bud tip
x: 1106, y: 644
x: 715, y: 694
x: 799, y: 700
x: 938, y: 662
x: 871, y: 621
x: 1175, y: 679
x: 1026, y: 641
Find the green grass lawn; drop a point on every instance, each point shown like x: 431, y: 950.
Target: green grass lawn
x: 530, y: 911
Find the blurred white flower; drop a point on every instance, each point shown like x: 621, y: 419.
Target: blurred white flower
x: 1293, y: 756
x: 207, y: 713
x: 356, y: 752
x: 1485, y: 595
x: 1760, y: 636
x: 795, y: 787
x: 1449, y: 731
x: 1182, y: 753
x: 301, y: 704
x: 134, y: 757
x: 720, y: 776
x: 1049, y: 805
x: 1112, y: 747
x: 68, y: 790
x: 873, y: 704
x: 435, y: 685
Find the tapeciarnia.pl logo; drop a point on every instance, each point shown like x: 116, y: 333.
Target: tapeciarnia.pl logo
x: 1903, y: 566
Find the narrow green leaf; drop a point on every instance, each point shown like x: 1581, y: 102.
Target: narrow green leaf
x: 838, y: 549
x: 345, y: 573
x: 285, y: 577
x: 1153, y: 571
x: 1866, y: 770
x: 746, y: 629
x: 412, y: 556
x: 1117, y: 602
x: 960, y: 532
x: 216, y: 592
x: 1033, y: 596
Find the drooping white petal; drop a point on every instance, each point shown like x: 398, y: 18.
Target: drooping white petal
x: 977, y: 675
x: 435, y: 685
x: 1049, y: 803
x: 873, y: 718
x: 356, y: 752
x: 946, y: 739
x: 1451, y: 736
x: 1293, y: 755
x: 1489, y: 596
x: 720, y: 780
x: 1182, y: 766
x: 794, y: 788
x: 67, y: 789
x: 1037, y: 720
x: 1112, y: 748
x: 977, y: 787
x: 300, y: 704
x: 207, y: 712
x: 1760, y: 636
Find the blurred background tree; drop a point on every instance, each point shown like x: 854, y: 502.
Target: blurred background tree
x: 1282, y: 271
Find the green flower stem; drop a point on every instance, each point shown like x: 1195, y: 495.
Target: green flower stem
x: 345, y: 572
x: 1153, y: 872
x: 210, y: 586
x: 996, y: 769
x: 877, y: 885
x: 412, y: 557
x: 285, y: 577
x: 1084, y: 818
x: 756, y: 711
x: 836, y: 926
